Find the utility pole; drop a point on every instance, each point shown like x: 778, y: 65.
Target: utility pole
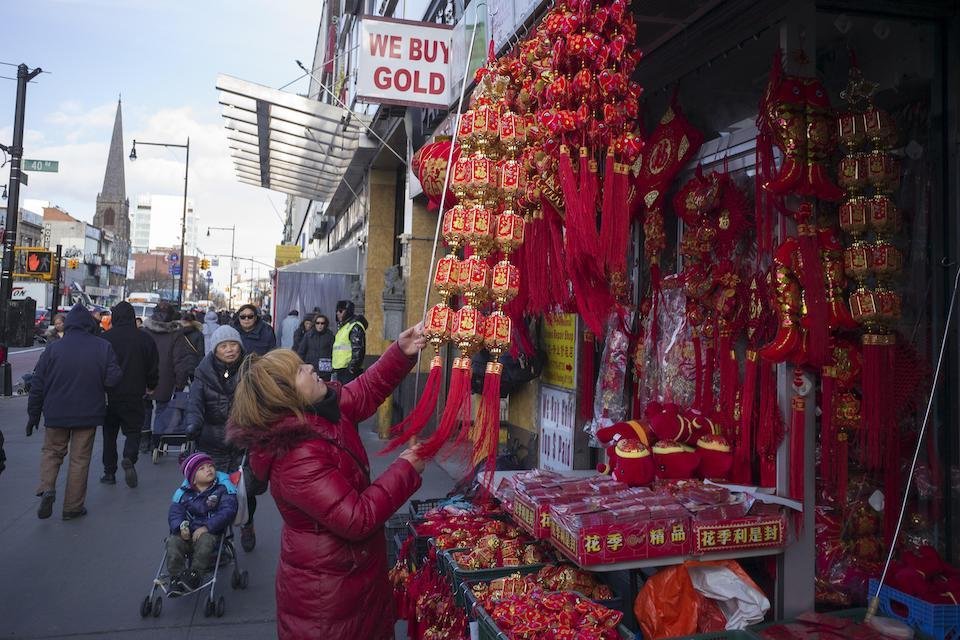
x: 57, y: 289
x: 24, y: 75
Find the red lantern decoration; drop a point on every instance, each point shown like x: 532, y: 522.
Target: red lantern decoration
x: 429, y: 164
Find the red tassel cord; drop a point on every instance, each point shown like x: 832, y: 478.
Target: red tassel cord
x: 798, y: 423
x: 488, y: 425
x: 559, y: 291
x: 769, y: 427
x: 829, y: 462
x: 698, y: 372
x: 458, y: 404
x: 729, y: 383
x: 587, y: 374
x: 817, y: 318
x: 742, y: 466
x: 414, y: 423
x: 878, y: 411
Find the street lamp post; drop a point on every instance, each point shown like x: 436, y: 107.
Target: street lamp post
x: 183, y: 222
x: 233, y: 242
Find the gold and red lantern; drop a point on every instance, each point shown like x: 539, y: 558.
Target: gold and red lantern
x: 446, y: 280
x: 479, y: 229
x: 883, y: 171
x: 879, y: 128
x: 438, y: 324
x: 509, y: 231
x: 884, y: 215
x: 505, y: 282
x: 429, y: 164
x: 854, y: 216
x: 455, y: 224
x: 496, y: 333
x: 467, y: 330
x: 474, y: 279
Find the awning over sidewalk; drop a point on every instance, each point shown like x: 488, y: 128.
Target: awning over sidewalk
x: 342, y: 261
x: 285, y: 142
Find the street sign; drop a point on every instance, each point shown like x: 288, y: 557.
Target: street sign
x: 24, y: 178
x: 173, y: 258
x: 209, y: 280
x: 50, y: 166
x: 209, y: 275
x: 174, y: 269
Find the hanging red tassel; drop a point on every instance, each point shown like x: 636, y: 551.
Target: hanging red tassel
x: 798, y: 428
x: 817, y: 318
x: 829, y: 463
x: 878, y: 418
x: 742, y: 466
x: 420, y: 416
x: 457, y: 406
x: 769, y: 426
x: 698, y: 372
x: 729, y: 382
x: 488, y: 425
x: 710, y: 362
x: 587, y: 373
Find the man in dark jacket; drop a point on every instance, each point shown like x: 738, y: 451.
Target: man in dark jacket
x: 257, y: 335
x: 138, y: 358
x: 316, y: 347
x: 165, y: 331
x: 350, y: 343
x: 69, y: 388
x: 188, y: 351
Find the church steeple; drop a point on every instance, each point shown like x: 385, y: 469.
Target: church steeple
x: 114, y: 183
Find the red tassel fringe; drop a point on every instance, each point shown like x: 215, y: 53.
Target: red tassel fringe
x: 817, y: 320
x: 455, y: 412
x: 420, y: 416
x: 879, y: 353
x: 743, y: 467
x: 770, y: 425
x: 798, y: 423
x: 729, y: 383
x: 485, y: 447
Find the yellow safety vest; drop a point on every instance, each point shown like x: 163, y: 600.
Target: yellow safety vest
x: 342, y: 349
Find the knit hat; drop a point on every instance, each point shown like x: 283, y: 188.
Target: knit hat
x: 225, y: 333
x: 192, y: 463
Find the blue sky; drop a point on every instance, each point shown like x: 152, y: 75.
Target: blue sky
x: 163, y: 57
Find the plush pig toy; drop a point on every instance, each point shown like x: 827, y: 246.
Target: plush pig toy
x: 669, y: 421
x: 716, y: 458
x: 632, y: 463
x: 674, y: 460
x: 630, y: 430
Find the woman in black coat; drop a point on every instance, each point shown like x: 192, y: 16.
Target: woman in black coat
x: 316, y: 347
x: 211, y: 396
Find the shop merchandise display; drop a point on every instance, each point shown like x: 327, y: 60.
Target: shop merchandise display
x: 544, y: 615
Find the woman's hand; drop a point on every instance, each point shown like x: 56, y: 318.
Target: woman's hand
x: 412, y: 340
x: 410, y: 455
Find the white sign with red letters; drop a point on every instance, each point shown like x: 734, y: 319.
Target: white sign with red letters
x: 404, y: 62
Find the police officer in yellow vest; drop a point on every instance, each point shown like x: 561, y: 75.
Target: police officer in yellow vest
x: 350, y: 344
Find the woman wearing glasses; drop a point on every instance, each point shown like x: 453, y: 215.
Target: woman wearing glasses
x: 316, y: 347
x: 257, y: 336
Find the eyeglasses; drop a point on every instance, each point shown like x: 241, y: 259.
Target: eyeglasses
x: 246, y: 317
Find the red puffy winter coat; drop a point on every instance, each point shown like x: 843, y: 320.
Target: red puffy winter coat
x: 332, y: 578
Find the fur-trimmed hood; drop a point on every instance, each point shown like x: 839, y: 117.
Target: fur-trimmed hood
x: 158, y: 326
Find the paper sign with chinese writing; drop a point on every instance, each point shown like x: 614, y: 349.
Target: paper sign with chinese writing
x: 560, y: 339
x: 558, y: 413
x: 750, y: 533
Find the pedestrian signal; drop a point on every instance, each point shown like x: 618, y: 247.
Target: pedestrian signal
x: 37, y: 263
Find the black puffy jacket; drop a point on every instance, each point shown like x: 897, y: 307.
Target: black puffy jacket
x: 208, y: 408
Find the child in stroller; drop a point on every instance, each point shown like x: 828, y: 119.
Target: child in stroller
x: 203, y: 508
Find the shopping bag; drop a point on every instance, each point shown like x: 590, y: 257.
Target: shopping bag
x: 169, y: 418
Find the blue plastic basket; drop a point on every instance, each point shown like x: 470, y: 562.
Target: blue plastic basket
x: 936, y: 621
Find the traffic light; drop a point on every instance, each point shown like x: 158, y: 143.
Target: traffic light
x: 73, y: 263
x: 204, y: 264
x: 38, y: 263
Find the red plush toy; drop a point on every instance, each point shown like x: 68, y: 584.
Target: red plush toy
x: 716, y: 457
x: 632, y: 463
x: 669, y: 421
x: 674, y: 460
x: 632, y: 429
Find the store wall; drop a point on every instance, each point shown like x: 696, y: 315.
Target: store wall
x: 379, y: 252
x: 415, y: 262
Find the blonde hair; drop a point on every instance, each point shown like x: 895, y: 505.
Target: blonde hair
x: 267, y: 390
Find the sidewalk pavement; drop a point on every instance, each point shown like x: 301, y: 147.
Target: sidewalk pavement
x: 86, y: 578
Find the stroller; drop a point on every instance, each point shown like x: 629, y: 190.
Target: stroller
x: 169, y: 429
x: 152, y: 604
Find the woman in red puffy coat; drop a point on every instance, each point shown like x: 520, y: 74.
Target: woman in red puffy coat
x: 302, y: 436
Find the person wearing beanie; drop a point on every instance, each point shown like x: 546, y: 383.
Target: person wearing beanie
x: 350, y: 343
x: 203, y: 507
x: 165, y: 330
x: 208, y: 406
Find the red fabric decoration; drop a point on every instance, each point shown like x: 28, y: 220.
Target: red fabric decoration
x: 879, y: 417
x: 746, y: 429
x: 429, y: 164
x: 770, y: 425
x: 456, y: 410
x: 816, y: 320
x: 671, y: 146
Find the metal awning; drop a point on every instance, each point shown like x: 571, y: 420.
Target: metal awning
x: 285, y: 142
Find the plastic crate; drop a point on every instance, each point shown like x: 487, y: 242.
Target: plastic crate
x: 420, y: 508
x: 397, y: 531
x: 458, y: 576
x: 936, y: 621
x: 850, y: 614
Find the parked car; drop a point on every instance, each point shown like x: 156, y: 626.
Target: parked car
x: 41, y: 322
